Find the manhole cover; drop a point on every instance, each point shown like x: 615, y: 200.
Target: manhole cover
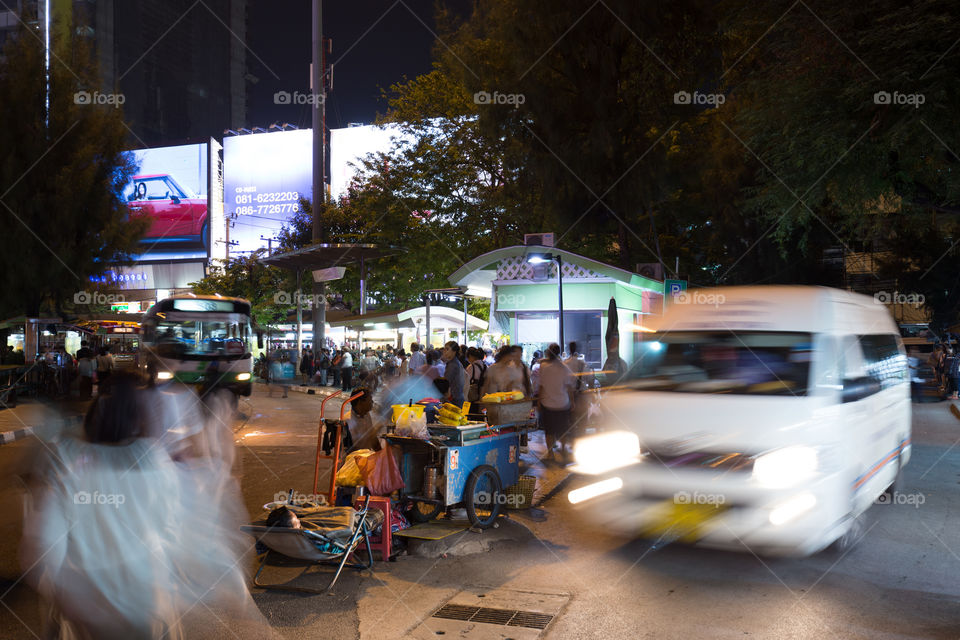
x: 505, y: 617
x: 504, y: 614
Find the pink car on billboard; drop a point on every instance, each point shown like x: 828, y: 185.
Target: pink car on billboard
x: 176, y: 215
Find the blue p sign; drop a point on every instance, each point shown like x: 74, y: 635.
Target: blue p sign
x: 675, y: 287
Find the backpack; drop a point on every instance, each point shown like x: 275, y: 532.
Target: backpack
x: 337, y: 359
x: 476, y: 385
x: 324, y: 362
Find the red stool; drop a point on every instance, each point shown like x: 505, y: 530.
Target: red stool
x: 384, y: 541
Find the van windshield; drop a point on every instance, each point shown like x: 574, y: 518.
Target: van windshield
x: 752, y: 363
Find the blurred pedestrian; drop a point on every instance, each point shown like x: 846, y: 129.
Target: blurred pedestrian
x: 86, y: 368
x: 323, y: 366
x: 475, y: 372
x: 417, y: 358
x: 276, y: 377
x: 453, y: 373
x: 951, y: 370
x: 105, y: 368
x: 346, y: 369
x: 306, y: 365
x: 336, y: 366
x: 121, y: 540
x: 508, y: 372
x: 555, y: 396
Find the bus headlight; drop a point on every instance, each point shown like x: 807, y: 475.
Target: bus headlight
x: 243, y: 376
x: 785, y: 467
x: 164, y: 375
x: 605, y: 452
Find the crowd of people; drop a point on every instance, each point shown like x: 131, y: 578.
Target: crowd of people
x: 458, y: 373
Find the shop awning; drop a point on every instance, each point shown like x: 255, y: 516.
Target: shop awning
x: 440, y: 318
x: 478, y: 274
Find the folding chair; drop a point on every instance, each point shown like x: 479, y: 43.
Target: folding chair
x: 337, y: 534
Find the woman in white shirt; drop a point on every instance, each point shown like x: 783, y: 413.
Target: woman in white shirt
x: 555, y: 400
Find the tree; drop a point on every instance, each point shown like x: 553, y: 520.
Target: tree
x: 267, y: 288
x: 850, y: 109
x: 61, y: 175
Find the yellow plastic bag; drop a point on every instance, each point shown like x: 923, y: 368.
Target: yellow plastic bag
x: 349, y: 474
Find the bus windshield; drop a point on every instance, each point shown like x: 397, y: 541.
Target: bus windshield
x: 754, y: 363
x: 202, y: 338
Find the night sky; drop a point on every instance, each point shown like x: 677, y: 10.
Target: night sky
x: 279, y: 33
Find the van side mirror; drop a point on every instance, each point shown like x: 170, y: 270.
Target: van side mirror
x: 259, y: 339
x: 859, y: 388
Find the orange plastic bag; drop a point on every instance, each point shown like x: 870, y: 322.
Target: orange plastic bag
x: 381, y: 473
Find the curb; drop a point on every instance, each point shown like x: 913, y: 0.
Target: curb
x: 312, y: 391
x: 7, y: 437
x: 307, y: 389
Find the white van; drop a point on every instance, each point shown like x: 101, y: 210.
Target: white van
x: 757, y: 417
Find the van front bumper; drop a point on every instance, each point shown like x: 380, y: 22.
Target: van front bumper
x: 728, y: 511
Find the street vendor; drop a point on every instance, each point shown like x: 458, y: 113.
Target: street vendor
x: 363, y: 424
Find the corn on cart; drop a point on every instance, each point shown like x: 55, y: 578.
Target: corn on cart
x: 466, y: 464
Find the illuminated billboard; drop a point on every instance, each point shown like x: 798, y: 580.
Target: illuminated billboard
x: 170, y: 188
x: 265, y: 175
x: 349, y: 146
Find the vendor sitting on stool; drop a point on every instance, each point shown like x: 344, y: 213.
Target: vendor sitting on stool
x: 363, y: 428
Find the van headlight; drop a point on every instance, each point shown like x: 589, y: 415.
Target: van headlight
x: 785, y: 467
x: 164, y: 375
x: 606, y: 451
x: 243, y: 376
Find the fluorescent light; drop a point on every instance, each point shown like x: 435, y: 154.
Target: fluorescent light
x: 593, y: 490
x: 539, y: 258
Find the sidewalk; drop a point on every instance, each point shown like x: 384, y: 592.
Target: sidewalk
x: 30, y: 414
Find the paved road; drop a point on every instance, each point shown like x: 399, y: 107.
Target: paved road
x: 900, y: 581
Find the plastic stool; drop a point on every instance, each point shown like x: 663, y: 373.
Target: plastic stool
x: 383, y: 542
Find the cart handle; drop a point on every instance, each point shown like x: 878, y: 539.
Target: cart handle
x: 324, y: 402
x: 347, y: 401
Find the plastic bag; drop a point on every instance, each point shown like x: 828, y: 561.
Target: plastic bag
x: 412, y: 426
x: 349, y: 474
x: 381, y: 473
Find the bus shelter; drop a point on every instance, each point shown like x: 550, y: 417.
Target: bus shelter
x: 403, y: 328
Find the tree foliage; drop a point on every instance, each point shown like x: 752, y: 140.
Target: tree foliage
x: 266, y: 288
x: 60, y: 178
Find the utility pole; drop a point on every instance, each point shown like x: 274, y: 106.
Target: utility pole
x: 318, y: 310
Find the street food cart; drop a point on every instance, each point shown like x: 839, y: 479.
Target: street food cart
x: 465, y: 465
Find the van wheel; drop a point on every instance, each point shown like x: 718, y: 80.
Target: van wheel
x: 845, y: 543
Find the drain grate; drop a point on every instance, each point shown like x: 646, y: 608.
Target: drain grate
x: 456, y: 612
x: 530, y: 620
x: 502, y: 617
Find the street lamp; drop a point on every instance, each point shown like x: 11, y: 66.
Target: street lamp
x: 543, y: 258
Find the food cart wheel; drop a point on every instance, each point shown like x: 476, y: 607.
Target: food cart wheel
x: 424, y: 511
x: 481, y: 496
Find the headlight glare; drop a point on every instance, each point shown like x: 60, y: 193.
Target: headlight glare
x: 606, y: 451
x: 785, y: 467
